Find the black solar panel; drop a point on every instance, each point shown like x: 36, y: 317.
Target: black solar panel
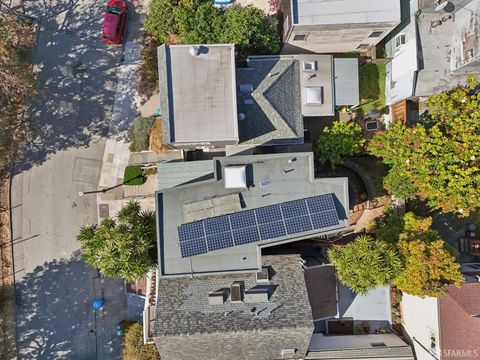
x: 217, y: 224
x: 294, y: 208
x: 246, y: 235
x: 193, y: 247
x: 243, y: 219
x: 266, y: 223
x: 268, y: 214
x: 219, y: 241
x: 298, y: 224
x: 320, y: 203
x: 191, y: 231
x: 272, y: 230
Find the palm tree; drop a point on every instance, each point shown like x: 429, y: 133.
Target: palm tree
x: 123, y: 247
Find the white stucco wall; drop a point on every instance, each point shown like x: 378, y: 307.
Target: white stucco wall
x: 420, y: 319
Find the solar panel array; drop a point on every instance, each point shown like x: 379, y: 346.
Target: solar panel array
x: 261, y: 224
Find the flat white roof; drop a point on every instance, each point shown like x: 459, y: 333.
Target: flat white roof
x: 203, y: 93
x: 323, y: 12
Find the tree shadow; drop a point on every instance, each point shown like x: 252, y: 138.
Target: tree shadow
x: 76, y: 80
x: 54, y: 315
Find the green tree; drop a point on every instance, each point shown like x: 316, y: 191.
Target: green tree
x: 124, y: 247
x: 162, y: 19
x: 342, y: 139
x: 133, y: 346
x: 250, y: 30
x: 200, y: 22
x: 438, y: 160
x: 365, y: 263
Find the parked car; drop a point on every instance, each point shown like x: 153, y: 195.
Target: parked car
x: 114, y: 22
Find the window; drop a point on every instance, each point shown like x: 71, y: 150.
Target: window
x: 399, y: 40
x: 309, y: 65
x: 314, y: 95
x: 363, y: 46
x: 299, y: 37
x: 375, y: 34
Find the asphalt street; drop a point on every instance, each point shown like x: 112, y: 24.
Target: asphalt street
x: 54, y: 287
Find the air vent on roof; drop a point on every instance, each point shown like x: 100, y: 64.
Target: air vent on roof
x: 248, y: 101
x: 241, y: 116
x: 288, y: 353
x: 236, y: 291
x: 263, y: 276
x: 194, y: 50
x: 257, y: 294
x: 218, y: 297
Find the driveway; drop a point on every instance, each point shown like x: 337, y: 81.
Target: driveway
x: 54, y: 287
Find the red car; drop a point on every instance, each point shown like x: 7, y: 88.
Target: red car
x: 114, y: 22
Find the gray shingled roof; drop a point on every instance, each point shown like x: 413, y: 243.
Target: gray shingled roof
x: 183, y: 302
x: 183, y: 312
x: 275, y: 116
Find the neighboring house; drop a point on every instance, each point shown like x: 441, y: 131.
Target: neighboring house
x: 350, y: 347
x: 333, y: 26
x: 207, y: 104
x: 197, y: 95
x: 433, y: 50
x: 449, y: 327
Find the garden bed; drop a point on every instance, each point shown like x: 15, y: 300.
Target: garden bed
x: 133, y: 176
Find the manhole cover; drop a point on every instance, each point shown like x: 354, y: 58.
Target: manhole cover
x: 104, y: 211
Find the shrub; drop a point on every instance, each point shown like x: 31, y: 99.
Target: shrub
x: 366, y: 263
x: 133, y: 175
x: 342, y: 139
x: 123, y: 247
x: 140, y: 133
x: 148, y: 72
x: 133, y: 346
x: 200, y: 22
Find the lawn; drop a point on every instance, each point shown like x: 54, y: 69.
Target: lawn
x: 372, y: 87
x: 133, y: 176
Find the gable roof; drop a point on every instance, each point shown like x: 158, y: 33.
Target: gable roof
x: 185, y: 317
x: 459, y: 327
x: 273, y: 109
x: 467, y: 297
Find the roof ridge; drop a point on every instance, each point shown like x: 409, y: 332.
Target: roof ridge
x: 271, y: 102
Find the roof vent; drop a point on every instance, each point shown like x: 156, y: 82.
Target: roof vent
x: 257, y: 294
x: 194, y: 50
x: 236, y: 291
x: 241, y: 116
x: 288, y: 353
x: 263, y: 276
x: 218, y: 297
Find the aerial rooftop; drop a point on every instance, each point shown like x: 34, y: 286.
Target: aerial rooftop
x: 268, y: 180
x: 197, y: 94
x: 187, y: 319
x: 324, y: 12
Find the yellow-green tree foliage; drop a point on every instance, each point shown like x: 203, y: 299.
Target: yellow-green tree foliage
x: 429, y: 264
